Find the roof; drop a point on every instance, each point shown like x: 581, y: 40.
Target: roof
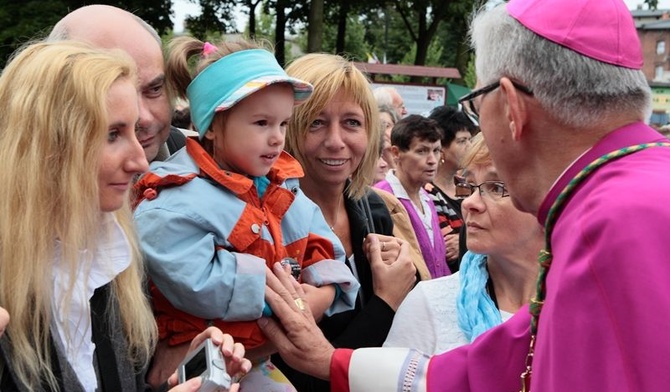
x: 409, y: 70
x: 655, y: 25
x: 647, y: 13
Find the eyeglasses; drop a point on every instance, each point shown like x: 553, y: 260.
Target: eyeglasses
x: 496, y: 190
x: 468, y: 101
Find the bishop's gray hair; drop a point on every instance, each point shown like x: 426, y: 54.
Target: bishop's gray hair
x: 575, y: 90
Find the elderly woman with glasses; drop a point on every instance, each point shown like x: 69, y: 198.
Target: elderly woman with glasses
x: 497, y: 274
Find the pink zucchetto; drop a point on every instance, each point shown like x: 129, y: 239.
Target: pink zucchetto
x: 600, y: 29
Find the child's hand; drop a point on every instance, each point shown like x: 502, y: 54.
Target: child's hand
x: 319, y: 299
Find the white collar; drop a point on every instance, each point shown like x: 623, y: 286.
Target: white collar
x: 399, y: 191
x: 112, y: 257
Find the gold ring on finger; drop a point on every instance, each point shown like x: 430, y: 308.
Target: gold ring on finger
x: 299, y: 303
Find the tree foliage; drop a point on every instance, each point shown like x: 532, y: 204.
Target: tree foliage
x: 215, y: 17
x: 422, y: 19
x: 24, y: 21
x: 393, y: 30
x: 315, y: 26
x: 355, y: 47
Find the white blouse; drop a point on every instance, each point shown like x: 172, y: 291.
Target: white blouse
x: 427, y: 319
x: 74, y: 327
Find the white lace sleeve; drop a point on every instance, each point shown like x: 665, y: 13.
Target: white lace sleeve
x: 413, y: 322
x: 427, y: 320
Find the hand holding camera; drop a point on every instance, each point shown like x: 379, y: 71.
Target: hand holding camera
x: 207, y: 362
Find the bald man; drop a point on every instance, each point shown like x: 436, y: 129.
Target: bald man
x: 387, y: 95
x: 110, y: 27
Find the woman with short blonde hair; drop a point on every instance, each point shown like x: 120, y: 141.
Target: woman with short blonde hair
x: 335, y: 136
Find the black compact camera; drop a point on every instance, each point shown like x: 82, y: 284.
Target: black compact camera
x: 207, y: 362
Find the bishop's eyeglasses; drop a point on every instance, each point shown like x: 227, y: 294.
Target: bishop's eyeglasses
x: 470, y: 104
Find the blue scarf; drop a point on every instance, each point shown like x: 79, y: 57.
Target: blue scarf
x: 476, y: 311
x: 261, y: 184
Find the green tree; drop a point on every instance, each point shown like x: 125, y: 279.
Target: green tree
x: 252, y: 5
x: 28, y: 20
x: 156, y: 13
x: 385, y: 34
x: 453, y: 34
x: 355, y: 47
x: 315, y: 26
x: 266, y: 30
x: 422, y: 19
x: 433, y: 56
x: 215, y: 16
x: 470, y: 76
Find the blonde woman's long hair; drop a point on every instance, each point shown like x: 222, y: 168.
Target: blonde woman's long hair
x: 330, y: 74
x: 52, y: 129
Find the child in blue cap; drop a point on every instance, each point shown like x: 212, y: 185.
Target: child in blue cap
x: 217, y: 213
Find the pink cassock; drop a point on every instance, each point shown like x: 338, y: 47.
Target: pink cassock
x: 605, y: 325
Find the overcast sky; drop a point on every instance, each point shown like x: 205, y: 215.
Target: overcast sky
x: 182, y: 8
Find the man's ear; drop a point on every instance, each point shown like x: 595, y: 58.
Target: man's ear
x: 395, y: 151
x: 516, y: 109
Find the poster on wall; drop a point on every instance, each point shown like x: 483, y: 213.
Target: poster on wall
x: 419, y: 99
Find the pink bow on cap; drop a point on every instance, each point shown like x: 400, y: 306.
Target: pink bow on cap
x: 208, y: 49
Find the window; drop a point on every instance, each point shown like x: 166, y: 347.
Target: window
x: 660, y: 47
x: 658, y: 74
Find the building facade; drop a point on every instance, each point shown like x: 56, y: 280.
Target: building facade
x: 653, y: 28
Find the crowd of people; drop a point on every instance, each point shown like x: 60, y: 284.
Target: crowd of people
x: 320, y: 235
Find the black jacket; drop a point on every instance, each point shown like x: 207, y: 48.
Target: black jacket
x: 369, y: 323
x: 115, y: 370
x: 176, y: 140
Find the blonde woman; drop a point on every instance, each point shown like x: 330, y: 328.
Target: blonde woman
x: 498, y: 273
x: 334, y: 135
x: 70, y: 272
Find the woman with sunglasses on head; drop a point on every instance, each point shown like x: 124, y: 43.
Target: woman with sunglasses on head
x: 497, y: 275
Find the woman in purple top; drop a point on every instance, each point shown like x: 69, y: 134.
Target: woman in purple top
x: 416, y: 148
